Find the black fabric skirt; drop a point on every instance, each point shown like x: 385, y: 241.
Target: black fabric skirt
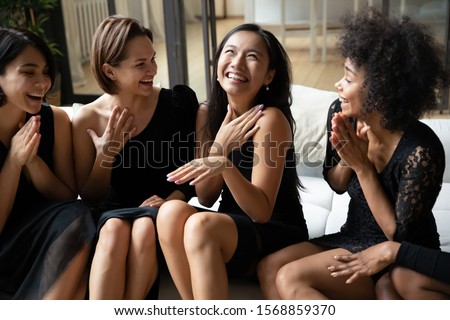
x: 36, y: 246
x: 257, y: 240
x: 127, y: 214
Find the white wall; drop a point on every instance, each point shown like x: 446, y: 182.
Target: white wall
x: 235, y: 8
x: 296, y: 11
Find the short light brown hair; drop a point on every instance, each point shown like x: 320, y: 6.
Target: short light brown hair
x: 108, y: 46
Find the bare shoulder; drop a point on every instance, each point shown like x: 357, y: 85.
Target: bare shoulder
x: 62, y: 125
x: 203, y: 107
x: 202, y: 113
x: 272, y: 120
x: 86, y: 110
x: 59, y: 115
x: 88, y: 115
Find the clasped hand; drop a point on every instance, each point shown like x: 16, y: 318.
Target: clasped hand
x: 351, y: 146
x: 25, y: 143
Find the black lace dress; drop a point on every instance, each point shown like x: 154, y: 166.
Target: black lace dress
x: 412, y: 180
x: 41, y: 237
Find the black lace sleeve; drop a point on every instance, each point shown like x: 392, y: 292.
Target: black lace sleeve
x: 430, y: 262
x: 419, y: 184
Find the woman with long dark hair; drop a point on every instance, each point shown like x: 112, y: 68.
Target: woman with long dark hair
x: 247, y: 156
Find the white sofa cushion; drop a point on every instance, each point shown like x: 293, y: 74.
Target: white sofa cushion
x: 310, y: 109
x: 442, y: 128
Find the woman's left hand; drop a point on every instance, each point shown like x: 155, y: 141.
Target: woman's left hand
x: 153, y: 201
x: 199, y: 169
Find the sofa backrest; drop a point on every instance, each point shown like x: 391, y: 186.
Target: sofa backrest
x: 442, y: 129
x: 310, y: 109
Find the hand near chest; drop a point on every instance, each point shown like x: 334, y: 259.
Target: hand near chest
x: 233, y: 133
x: 352, y: 146
x: 118, y: 131
x: 25, y: 143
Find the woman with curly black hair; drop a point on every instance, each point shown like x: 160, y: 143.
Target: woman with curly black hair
x: 389, y: 162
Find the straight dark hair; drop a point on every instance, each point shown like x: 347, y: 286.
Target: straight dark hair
x: 279, y: 95
x: 13, y: 41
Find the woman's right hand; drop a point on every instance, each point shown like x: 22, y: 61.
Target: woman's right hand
x: 25, y: 143
x: 366, y: 262
x: 233, y: 133
x: 351, y: 146
x: 117, y: 133
x: 199, y: 169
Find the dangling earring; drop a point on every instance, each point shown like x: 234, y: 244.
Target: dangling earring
x: 267, y: 87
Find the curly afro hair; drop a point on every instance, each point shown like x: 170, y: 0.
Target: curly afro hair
x: 403, y: 64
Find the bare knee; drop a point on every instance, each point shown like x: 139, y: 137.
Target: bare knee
x: 199, y: 232
x: 143, y: 235
x: 267, y: 269
x: 408, y: 283
x: 114, y: 236
x: 287, y: 281
x: 385, y: 289
x: 172, y: 216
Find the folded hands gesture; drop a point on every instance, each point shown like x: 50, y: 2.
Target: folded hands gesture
x: 25, y: 143
x: 351, y: 146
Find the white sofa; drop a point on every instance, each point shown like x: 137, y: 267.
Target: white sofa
x: 324, y: 210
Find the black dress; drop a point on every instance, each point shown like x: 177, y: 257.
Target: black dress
x: 140, y: 169
x: 41, y: 237
x: 286, y: 226
x: 412, y: 180
x: 430, y: 262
